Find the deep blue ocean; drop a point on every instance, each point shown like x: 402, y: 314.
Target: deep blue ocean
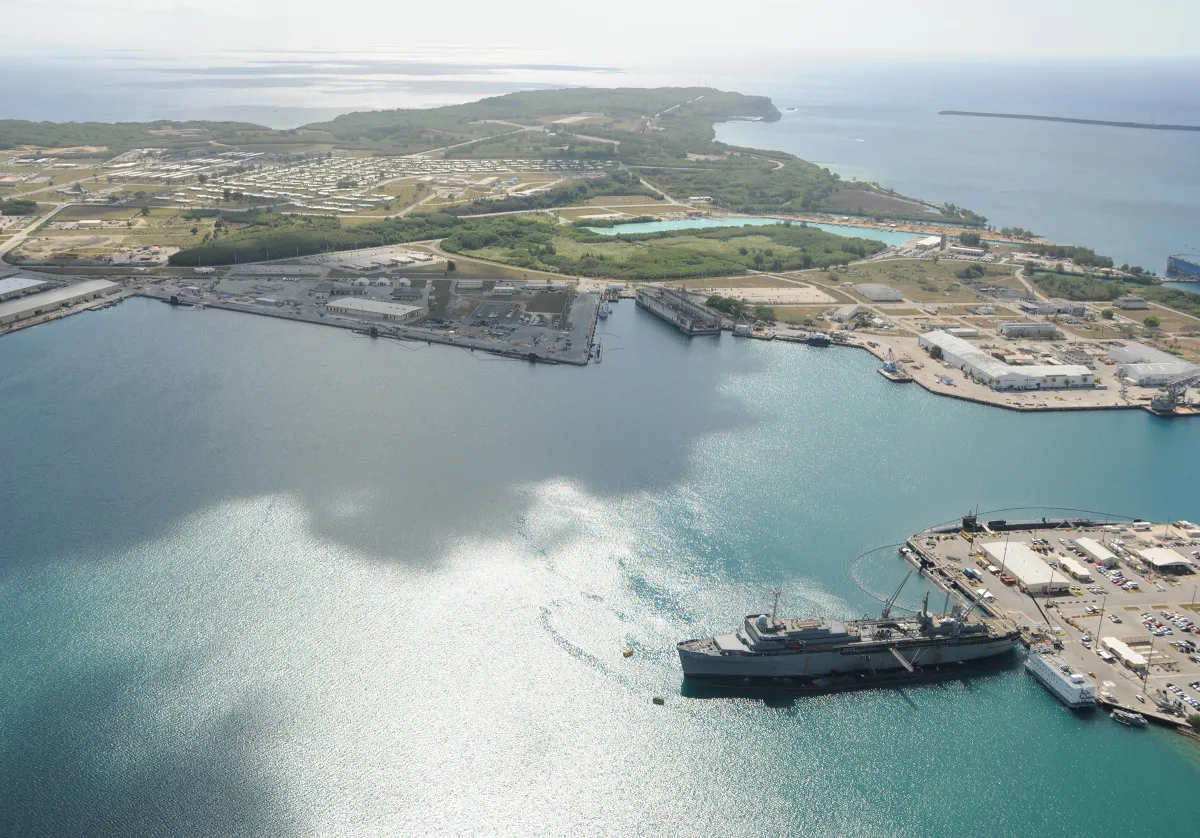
x: 269, y: 579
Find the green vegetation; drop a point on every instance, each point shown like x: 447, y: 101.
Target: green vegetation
x: 1083, y: 256
x: 736, y: 308
x: 1106, y: 290
x: 1152, y: 322
x: 970, y: 239
x: 935, y: 352
x: 1193, y: 719
x: 971, y: 272
x: 576, y: 192
x: 540, y: 244
x: 1017, y: 233
x: 1107, y: 314
x: 17, y: 206
x: 262, y: 236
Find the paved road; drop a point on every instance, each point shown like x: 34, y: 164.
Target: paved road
x: 20, y: 237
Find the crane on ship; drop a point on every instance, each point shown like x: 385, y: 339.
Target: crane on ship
x: 1168, y: 398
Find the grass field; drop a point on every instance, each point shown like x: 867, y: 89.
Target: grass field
x: 799, y: 315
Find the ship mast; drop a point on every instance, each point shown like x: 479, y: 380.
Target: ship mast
x: 777, y: 593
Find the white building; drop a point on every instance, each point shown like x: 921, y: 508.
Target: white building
x: 373, y: 308
x: 1152, y: 375
x: 469, y: 284
x: 1096, y: 551
x: 1075, y: 570
x: 19, y: 286
x: 927, y: 243
x: 1000, y: 376
x: 1131, y: 303
x: 1034, y: 574
x: 1121, y: 651
x: 1166, y: 560
x: 37, y: 304
x: 845, y: 313
x: 504, y: 290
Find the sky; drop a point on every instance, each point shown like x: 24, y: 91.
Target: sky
x: 645, y: 35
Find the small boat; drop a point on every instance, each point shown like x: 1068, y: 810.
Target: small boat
x: 1128, y: 719
x: 604, y: 311
x: 1141, y: 698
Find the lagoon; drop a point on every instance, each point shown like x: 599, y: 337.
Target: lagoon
x: 888, y: 237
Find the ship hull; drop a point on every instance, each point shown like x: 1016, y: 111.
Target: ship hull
x: 847, y: 660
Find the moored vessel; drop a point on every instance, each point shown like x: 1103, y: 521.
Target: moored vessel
x: 1072, y: 688
x: 872, y: 650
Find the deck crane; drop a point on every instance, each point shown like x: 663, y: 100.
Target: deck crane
x: 887, y: 606
x: 1172, y: 393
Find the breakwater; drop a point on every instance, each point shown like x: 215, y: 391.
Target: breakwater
x: 1037, y: 118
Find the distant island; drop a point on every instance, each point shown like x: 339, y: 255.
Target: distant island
x: 1155, y: 126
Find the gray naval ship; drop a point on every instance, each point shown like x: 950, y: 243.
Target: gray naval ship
x: 880, y: 649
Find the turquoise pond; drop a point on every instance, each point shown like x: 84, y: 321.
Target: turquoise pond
x: 888, y: 237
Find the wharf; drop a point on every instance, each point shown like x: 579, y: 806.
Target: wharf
x: 383, y: 329
x: 895, y: 375
x: 950, y: 557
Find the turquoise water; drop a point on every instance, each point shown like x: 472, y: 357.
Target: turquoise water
x: 353, y: 587
x: 889, y: 237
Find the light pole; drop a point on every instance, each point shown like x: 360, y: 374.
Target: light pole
x: 1100, y: 621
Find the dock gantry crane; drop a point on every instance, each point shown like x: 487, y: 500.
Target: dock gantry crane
x: 887, y: 606
x: 1168, y: 398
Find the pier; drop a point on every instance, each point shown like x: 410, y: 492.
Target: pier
x: 1057, y: 596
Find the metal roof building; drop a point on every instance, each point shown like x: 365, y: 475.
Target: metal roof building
x: 1034, y: 574
x: 18, y: 286
x: 1096, y: 551
x: 1000, y: 376
x: 36, y: 304
x: 1152, y: 374
x: 373, y: 308
x: 1166, y: 560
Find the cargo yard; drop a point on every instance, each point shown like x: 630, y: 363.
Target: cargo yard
x: 1114, y: 601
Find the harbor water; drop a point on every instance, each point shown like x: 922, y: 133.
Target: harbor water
x: 272, y: 579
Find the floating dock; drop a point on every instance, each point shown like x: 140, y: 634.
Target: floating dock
x: 677, y: 308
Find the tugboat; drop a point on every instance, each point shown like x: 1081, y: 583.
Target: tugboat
x: 1128, y: 719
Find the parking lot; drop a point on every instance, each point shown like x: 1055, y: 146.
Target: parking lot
x: 1123, y: 606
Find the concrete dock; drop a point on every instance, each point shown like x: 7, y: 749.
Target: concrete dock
x: 1078, y: 615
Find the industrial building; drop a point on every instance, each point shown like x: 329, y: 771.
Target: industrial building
x: 879, y: 293
x: 1096, y: 551
x: 373, y: 308
x: 1000, y: 376
x: 1166, y: 560
x: 1075, y: 570
x: 1121, y: 651
x: 1028, y: 330
x: 845, y: 313
x: 23, y: 308
x: 929, y: 242
x: 19, y: 286
x: 1054, y: 306
x: 1147, y: 366
x: 1131, y: 303
x: 1029, y: 569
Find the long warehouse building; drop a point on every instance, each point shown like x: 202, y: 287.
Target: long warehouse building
x: 1029, y: 569
x: 1000, y: 376
x: 34, y: 305
x: 374, y: 308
